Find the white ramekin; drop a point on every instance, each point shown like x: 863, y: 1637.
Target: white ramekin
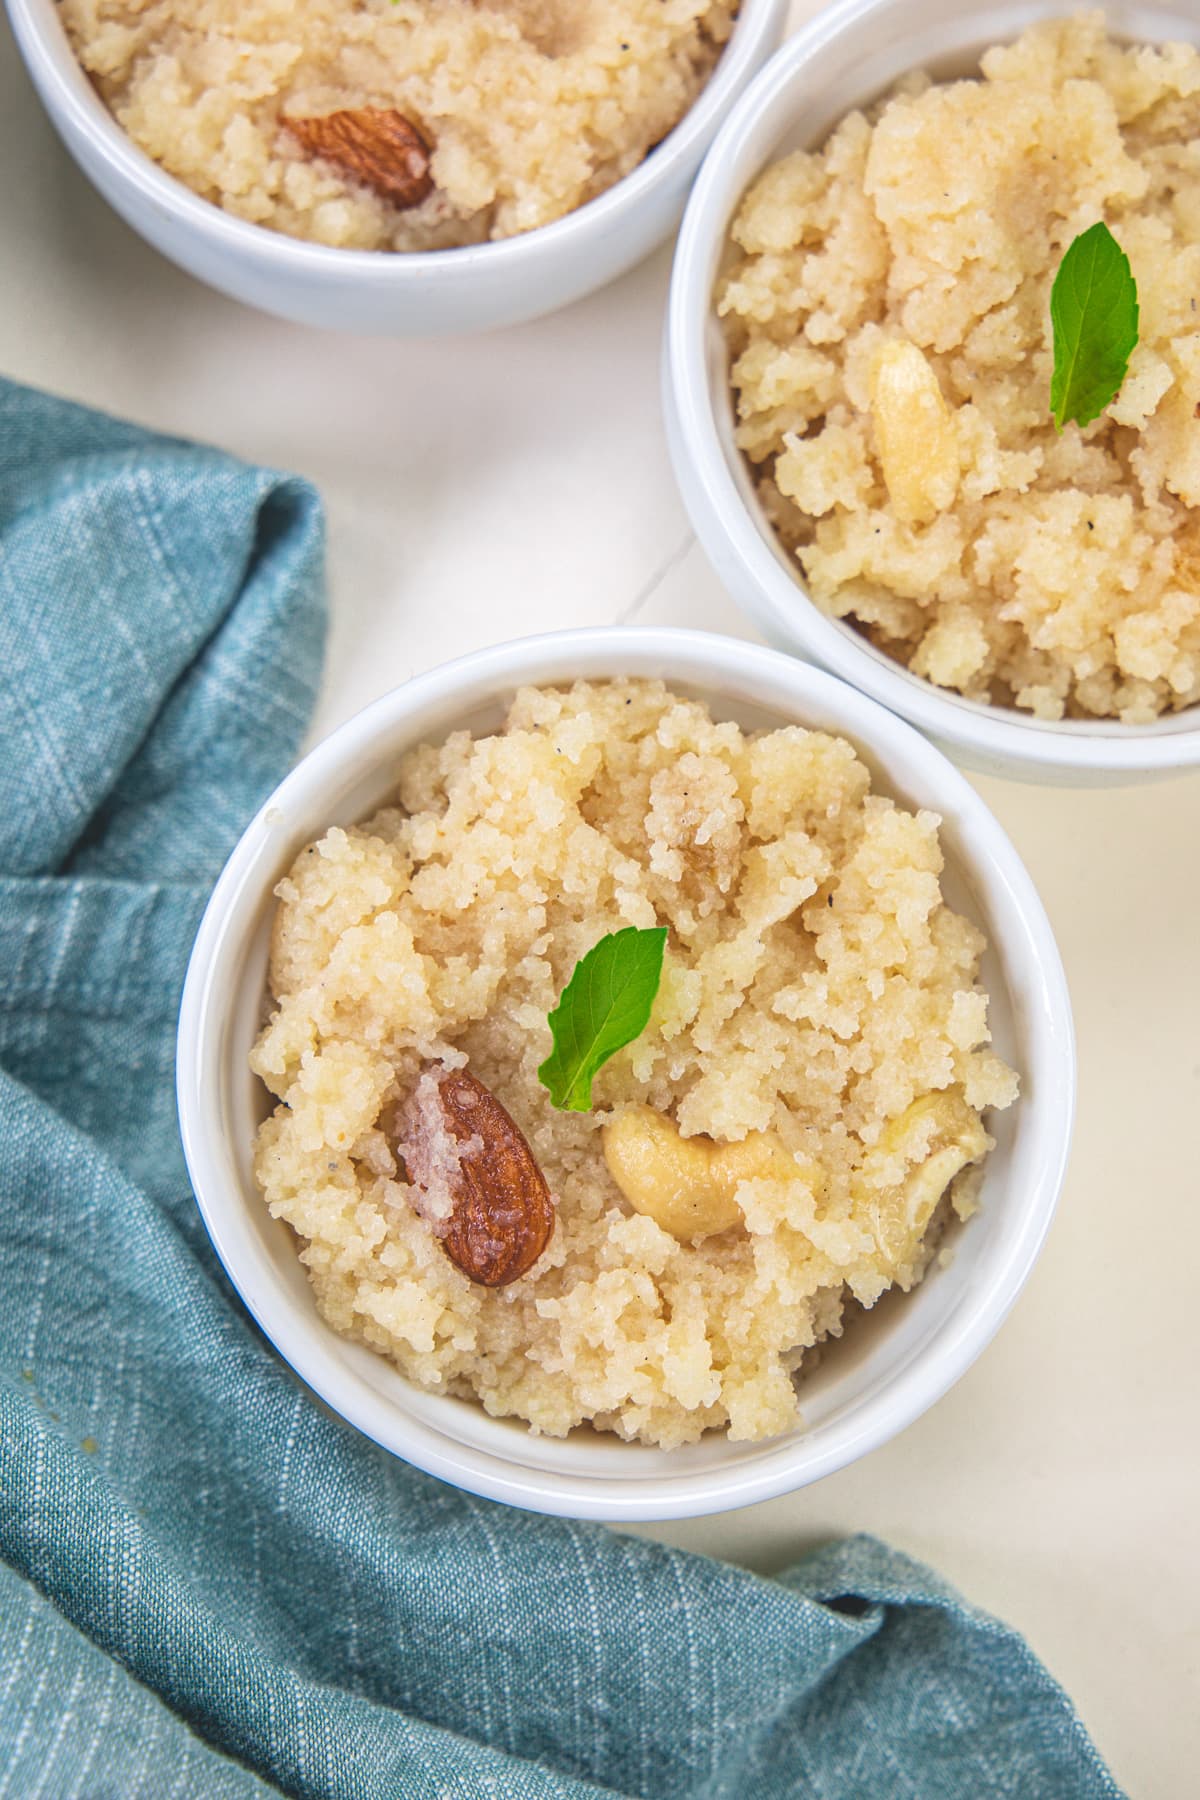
x: 421, y: 294
x: 848, y: 55
x: 894, y: 1363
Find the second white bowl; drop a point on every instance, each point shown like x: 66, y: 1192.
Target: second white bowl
x: 895, y: 1362
x: 847, y: 57
x: 419, y: 294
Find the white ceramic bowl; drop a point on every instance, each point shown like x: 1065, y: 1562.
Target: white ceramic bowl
x: 423, y: 294
x: 895, y: 1362
x: 847, y: 56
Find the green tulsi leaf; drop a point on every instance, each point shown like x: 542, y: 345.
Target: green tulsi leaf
x: 604, y: 1006
x: 1094, y: 311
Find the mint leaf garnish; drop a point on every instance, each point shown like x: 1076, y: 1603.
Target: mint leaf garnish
x: 604, y: 1006
x: 1094, y: 312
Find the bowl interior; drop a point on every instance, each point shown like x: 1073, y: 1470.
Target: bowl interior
x: 883, y: 1352
x: 75, y: 103
x: 857, y: 54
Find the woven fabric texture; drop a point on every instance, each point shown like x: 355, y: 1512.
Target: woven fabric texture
x: 208, y: 1586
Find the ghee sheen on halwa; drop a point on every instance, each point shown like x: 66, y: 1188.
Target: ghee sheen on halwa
x: 530, y: 107
x: 816, y: 990
x: 889, y: 322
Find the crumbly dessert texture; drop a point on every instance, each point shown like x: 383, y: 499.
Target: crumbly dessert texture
x: 889, y: 322
x: 815, y: 987
x: 531, y: 107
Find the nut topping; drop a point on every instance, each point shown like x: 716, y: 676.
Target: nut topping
x: 372, y: 144
x: 936, y: 1138
x: 914, y: 433
x: 481, y: 1190
x: 689, y: 1186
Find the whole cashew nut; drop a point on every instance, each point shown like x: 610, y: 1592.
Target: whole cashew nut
x: 689, y: 1185
x: 945, y: 1134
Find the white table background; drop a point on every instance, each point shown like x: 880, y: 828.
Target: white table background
x: 519, y: 482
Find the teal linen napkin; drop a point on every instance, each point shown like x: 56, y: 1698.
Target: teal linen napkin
x: 209, y: 1586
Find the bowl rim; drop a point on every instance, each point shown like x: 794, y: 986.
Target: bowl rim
x: 778, y: 600
x: 1025, y: 944
x: 43, y: 41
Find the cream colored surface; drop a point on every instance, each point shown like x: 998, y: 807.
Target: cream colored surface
x: 1060, y: 1482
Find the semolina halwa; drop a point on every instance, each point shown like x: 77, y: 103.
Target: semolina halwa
x: 819, y: 1017
x: 529, y: 107
x: 888, y: 317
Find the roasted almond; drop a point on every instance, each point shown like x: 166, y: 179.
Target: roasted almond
x: 480, y: 1188
x: 372, y: 144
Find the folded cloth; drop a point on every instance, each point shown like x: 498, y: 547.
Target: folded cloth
x: 209, y: 1586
